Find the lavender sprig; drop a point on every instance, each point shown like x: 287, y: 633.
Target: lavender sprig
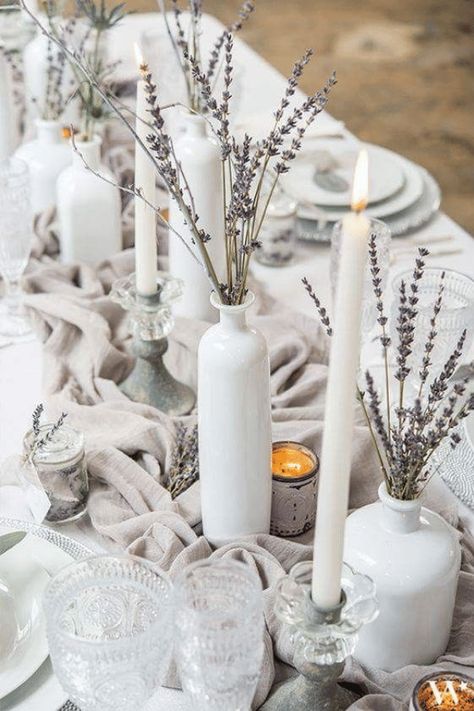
x: 188, y: 45
x: 184, y: 468
x: 323, y: 315
x: 249, y: 170
x: 37, y: 443
x: 405, y: 447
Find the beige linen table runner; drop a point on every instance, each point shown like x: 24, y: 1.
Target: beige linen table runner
x: 129, y: 447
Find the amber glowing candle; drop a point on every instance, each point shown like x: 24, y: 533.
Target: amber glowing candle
x: 292, y: 461
x: 294, y: 471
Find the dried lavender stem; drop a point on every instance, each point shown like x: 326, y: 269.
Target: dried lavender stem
x: 360, y: 397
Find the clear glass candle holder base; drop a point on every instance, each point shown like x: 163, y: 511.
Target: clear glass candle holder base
x: 150, y: 382
x: 322, y: 640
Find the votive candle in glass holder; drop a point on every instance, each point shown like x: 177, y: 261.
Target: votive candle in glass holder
x: 61, y: 467
x: 277, y: 236
x: 443, y: 691
x: 294, y: 470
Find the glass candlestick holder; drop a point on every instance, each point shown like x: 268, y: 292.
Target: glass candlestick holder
x: 322, y: 639
x: 150, y: 382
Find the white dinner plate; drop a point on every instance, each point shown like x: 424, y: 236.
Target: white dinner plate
x: 29, y: 658
x: 408, y: 220
x: 386, y: 177
x: 407, y: 196
x: 23, y: 645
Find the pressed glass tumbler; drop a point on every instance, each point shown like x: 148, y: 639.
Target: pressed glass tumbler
x: 16, y: 232
x: 109, y: 625
x: 219, y: 621
x: 456, y: 315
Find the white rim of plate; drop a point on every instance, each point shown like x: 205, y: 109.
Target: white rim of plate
x: 341, y: 201
x: 407, y: 196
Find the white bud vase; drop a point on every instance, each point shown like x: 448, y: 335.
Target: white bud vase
x: 235, y: 439
x: 89, y: 208
x: 46, y: 157
x: 414, y: 557
x: 35, y: 67
x: 200, y: 160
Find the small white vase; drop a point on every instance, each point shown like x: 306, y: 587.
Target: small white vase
x: 200, y: 160
x: 89, y: 208
x: 235, y: 440
x: 414, y: 557
x: 46, y: 157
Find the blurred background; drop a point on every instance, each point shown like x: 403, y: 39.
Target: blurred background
x: 405, y: 72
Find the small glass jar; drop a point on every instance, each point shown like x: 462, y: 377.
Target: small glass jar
x: 294, y: 481
x: 61, y: 468
x: 278, y: 233
x: 443, y: 691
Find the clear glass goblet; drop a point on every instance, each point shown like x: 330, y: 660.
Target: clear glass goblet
x: 456, y: 315
x: 16, y: 232
x: 109, y: 626
x: 219, y: 623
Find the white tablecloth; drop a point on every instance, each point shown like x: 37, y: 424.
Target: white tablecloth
x: 21, y: 364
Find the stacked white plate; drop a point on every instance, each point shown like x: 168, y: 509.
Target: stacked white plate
x: 401, y: 193
x: 26, y: 676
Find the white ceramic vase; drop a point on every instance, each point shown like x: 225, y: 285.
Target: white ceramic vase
x: 414, y: 557
x: 200, y: 160
x: 89, y: 208
x: 46, y: 157
x: 235, y: 440
x: 35, y: 66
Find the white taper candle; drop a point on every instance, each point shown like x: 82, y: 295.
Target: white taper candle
x: 336, y: 451
x: 145, y: 217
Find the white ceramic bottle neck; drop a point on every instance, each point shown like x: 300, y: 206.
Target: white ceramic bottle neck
x: 87, y: 152
x: 195, y: 126
x: 233, y: 318
x: 399, y: 516
x: 48, y: 132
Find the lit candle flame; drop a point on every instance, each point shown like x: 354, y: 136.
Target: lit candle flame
x: 142, y: 65
x: 360, y: 188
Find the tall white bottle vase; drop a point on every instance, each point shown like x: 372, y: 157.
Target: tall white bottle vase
x: 235, y: 438
x: 46, y: 157
x: 413, y: 557
x: 35, y: 72
x: 200, y: 160
x: 89, y: 209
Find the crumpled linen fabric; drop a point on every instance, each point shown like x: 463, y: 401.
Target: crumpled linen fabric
x: 129, y: 446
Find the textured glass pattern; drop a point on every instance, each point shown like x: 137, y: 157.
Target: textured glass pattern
x: 68, y: 545
x: 316, y: 640
x: 219, y: 622
x: 151, y: 316
x: 16, y: 232
x: 109, y: 631
x: 457, y: 314
x: 383, y: 240
x: 456, y: 466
